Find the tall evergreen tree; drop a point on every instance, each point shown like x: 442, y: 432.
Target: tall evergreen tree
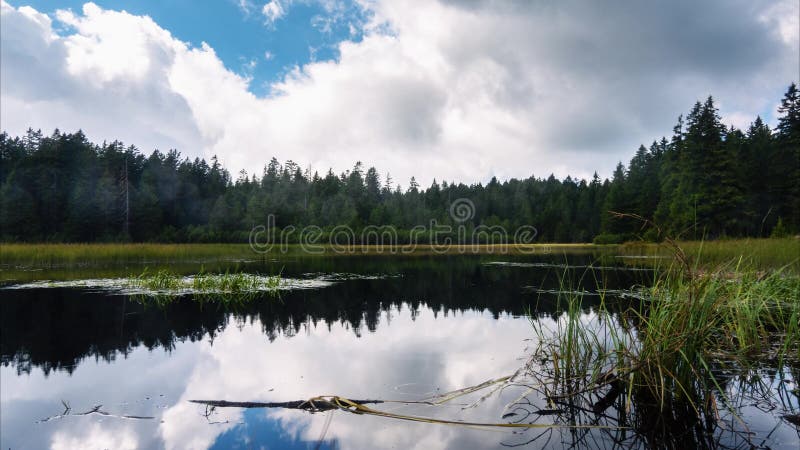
x: 785, y: 164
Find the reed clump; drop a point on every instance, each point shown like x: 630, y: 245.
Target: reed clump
x: 667, y: 361
x: 687, y: 326
x: 681, y: 328
x: 225, y: 287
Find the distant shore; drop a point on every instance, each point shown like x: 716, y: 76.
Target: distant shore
x: 760, y: 252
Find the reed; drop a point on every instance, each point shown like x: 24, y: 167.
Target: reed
x: 669, y: 346
x: 667, y: 361
x: 225, y: 287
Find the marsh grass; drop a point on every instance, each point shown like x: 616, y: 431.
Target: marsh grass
x: 227, y: 287
x: 689, y: 328
x: 664, y: 361
x: 758, y: 254
x: 57, y: 255
x: 762, y: 254
x: 161, y: 280
x: 71, y: 255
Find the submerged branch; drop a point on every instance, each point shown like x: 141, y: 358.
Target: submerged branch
x: 318, y: 404
x: 327, y: 403
x: 95, y: 410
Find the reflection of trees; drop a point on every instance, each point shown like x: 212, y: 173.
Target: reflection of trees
x: 55, y: 329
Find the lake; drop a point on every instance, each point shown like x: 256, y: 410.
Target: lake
x: 85, y: 365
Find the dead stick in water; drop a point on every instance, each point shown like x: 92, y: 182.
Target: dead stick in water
x: 307, y: 405
x: 326, y: 403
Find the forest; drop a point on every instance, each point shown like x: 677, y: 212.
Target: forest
x: 705, y: 181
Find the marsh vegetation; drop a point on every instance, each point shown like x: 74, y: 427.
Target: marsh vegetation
x: 679, y: 363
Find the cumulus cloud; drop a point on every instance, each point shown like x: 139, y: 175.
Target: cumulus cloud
x: 273, y: 11
x: 460, y: 90
x: 93, y: 79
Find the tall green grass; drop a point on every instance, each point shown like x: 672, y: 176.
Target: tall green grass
x: 727, y: 317
x: 686, y: 326
x: 663, y: 362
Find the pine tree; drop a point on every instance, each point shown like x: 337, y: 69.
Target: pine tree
x: 618, y: 201
x: 785, y: 164
x: 753, y: 167
x: 18, y: 218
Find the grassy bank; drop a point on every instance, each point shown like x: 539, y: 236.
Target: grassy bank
x: 48, y: 255
x: 757, y: 253
x: 760, y: 254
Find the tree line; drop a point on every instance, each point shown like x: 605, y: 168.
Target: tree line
x: 705, y: 181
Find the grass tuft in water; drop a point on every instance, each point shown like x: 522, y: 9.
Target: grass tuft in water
x: 667, y: 360
x: 224, y: 287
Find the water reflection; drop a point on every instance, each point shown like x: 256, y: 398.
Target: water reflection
x: 56, y: 328
x: 441, y: 325
x: 241, y: 363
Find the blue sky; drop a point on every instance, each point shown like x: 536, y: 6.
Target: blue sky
x: 240, y: 33
x: 457, y: 90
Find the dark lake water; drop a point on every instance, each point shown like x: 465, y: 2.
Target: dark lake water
x: 391, y: 328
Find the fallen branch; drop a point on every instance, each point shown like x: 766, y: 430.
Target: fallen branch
x: 95, y: 410
x: 318, y: 404
x: 326, y: 403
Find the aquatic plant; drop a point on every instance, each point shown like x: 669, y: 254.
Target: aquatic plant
x: 665, y: 361
x: 161, y: 280
x: 226, y: 287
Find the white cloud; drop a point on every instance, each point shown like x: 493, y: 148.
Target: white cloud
x: 79, y: 81
x: 273, y: 11
x: 449, y: 89
x: 246, y: 6
x: 109, y: 45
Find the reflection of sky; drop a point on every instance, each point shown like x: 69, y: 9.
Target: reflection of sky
x: 144, y: 383
x: 257, y: 430
x: 403, y: 359
x: 422, y: 356
x: 406, y: 358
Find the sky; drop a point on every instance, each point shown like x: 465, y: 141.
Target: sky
x: 456, y: 90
